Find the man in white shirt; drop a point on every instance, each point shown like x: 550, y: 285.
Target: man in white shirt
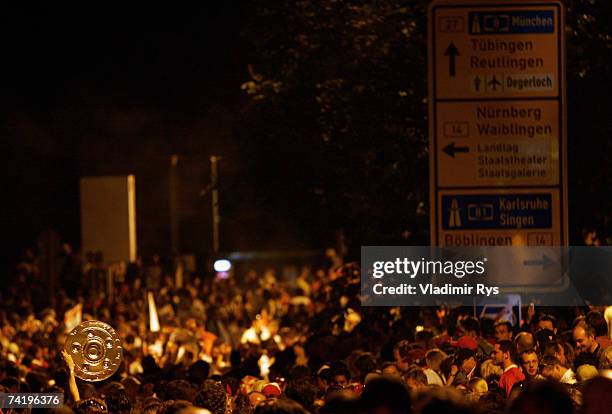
x: 433, y: 359
x: 551, y: 368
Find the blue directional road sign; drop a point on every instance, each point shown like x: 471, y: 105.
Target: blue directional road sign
x: 497, y: 211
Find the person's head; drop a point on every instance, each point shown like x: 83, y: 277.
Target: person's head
x: 280, y: 406
x: 35, y: 381
x: 118, y: 402
x: 242, y: 405
x: 364, y: 364
x: 86, y: 390
x: 152, y: 407
x: 492, y: 402
x: 341, y: 376
x: 569, y: 353
x: 597, y: 396
x: 176, y: 407
x: 503, y: 331
x: 324, y: 378
x: 11, y: 384
x: 584, y: 337
x: 178, y: 390
x: 198, y: 372
x: 415, y: 379
x: 424, y: 337
x: 598, y: 322
x: 543, y: 337
x: 190, y: 409
x: 372, y: 375
x: 529, y: 362
x: 256, y: 398
x: 401, y: 354
x: 466, y: 360
x: 542, y: 397
x: 489, y: 370
x: 211, y: 396
x: 605, y: 359
x: 524, y: 341
x: 504, y: 354
x: 555, y: 349
x: 586, y: 372
x: 447, y: 400
x: 434, y: 358
x: 547, y: 322
x: 551, y: 368
x: 477, y: 386
x: 470, y: 327
x: 304, y: 392
x: 132, y: 386
x: 390, y: 369
x: 386, y: 395
x: 91, y: 406
x: 341, y: 402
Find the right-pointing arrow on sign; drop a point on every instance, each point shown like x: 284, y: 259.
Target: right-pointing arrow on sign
x: 451, y: 149
x: 545, y: 262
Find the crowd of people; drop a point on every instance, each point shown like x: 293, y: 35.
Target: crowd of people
x: 265, y: 343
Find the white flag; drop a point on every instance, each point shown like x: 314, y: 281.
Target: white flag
x: 153, y: 319
x: 73, y: 317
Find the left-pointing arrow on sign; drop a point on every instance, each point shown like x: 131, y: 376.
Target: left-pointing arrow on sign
x: 451, y: 51
x: 451, y: 149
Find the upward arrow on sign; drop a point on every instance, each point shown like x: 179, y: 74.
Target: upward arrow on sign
x: 451, y: 51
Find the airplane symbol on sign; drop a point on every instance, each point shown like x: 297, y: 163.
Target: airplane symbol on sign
x: 494, y: 84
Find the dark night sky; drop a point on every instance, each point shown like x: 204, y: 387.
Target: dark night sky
x: 161, y: 56
x: 113, y: 90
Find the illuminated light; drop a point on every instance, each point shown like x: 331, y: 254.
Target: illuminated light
x: 249, y: 336
x: 351, y: 320
x: 265, y: 333
x: 264, y: 365
x: 419, y: 328
x: 180, y: 354
x: 222, y: 265
x: 156, y: 349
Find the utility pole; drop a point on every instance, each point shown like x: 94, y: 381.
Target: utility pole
x: 174, y: 208
x: 216, y: 218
